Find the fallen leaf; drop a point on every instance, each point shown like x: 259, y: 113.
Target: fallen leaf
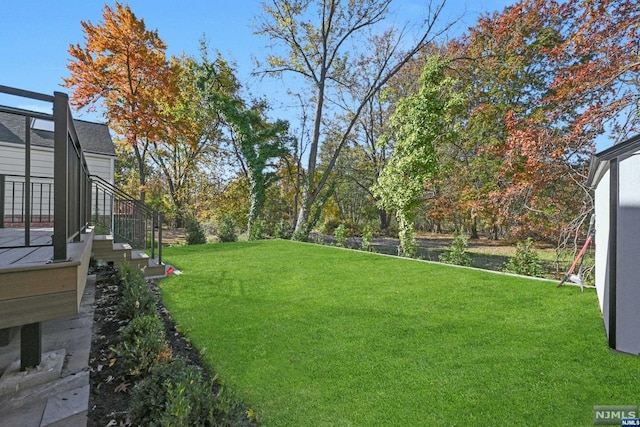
x: 123, y: 387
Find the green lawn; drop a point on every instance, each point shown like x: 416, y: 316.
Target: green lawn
x: 314, y: 335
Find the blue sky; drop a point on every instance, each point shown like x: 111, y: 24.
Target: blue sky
x: 35, y: 36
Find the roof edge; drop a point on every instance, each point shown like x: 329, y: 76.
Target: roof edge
x: 600, y: 161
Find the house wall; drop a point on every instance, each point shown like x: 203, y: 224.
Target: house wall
x: 101, y: 165
x: 628, y: 256
x: 12, y: 163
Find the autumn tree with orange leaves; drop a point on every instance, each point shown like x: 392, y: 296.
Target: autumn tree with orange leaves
x: 123, y: 66
x: 542, y: 80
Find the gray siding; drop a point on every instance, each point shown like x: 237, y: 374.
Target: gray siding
x: 628, y: 257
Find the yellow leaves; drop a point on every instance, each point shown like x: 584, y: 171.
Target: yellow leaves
x: 250, y: 413
x: 165, y: 355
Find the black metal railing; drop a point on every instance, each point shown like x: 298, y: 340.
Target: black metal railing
x: 71, y: 198
x: 126, y: 218
x: 13, y: 203
x: 71, y: 182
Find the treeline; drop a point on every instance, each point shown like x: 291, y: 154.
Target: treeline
x: 489, y: 132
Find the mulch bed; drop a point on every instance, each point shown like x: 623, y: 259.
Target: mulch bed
x: 110, y: 387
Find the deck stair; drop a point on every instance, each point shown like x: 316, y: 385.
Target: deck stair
x: 106, y: 250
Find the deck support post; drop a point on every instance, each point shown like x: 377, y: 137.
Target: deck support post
x: 30, y: 346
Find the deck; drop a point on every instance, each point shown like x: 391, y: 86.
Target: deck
x: 34, y: 289
x: 13, y: 253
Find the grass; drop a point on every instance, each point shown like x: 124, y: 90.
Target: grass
x: 314, y: 335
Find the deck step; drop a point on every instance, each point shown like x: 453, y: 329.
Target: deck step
x: 106, y: 250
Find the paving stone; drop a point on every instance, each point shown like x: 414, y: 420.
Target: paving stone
x: 65, y: 406
x: 13, y: 380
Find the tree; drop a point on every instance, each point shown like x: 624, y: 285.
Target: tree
x: 256, y: 142
x: 574, y: 61
x: 363, y: 158
x: 420, y: 123
x: 598, y: 68
x: 318, y: 51
x: 598, y: 84
x: 123, y: 65
x: 190, y: 131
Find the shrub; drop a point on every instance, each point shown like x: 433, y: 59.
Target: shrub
x: 301, y: 234
x: 227, y: 230
x: 257, y: 229
x: 195, y: 233
x: 126, y: 271
x: 408, y: 244
x: 367, y: 238
x: 136, y: 298
x: 457, y: 252
x: 143, y: 345
x: 175, y: 394
x: 525, y: 261
x: 282, y: 230
x: 330, y: 225
x: 340, y: 234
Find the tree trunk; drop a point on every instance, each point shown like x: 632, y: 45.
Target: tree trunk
x: 301, y: 231
x: 302, y: 223
x: 474, y: 228
x: 385, y: 221
x: 143, y: 175
x: 257, y: 197
x: 180, y: 218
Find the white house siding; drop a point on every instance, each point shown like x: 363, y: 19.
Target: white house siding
x: 97, y: 165
x: 12, y: 160
x: 628, y: 256
x: 100, y: 165
x: 12, y: 165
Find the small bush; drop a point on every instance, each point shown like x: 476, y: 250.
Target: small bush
x: 126, y: 271
x: 143, y: 345
x: 195, y: 233
x: 330, y: 225
x: 257, y: 229
x: 367, y: 238
x: 227, y: 230
x: 175, y: 394
x: 408, y: 244
x: 300, y: 235
x: 136, y: 298
x: 282, y: 230
x: 457, y: 252
x: 340, y: 234
x: 525, y: 261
